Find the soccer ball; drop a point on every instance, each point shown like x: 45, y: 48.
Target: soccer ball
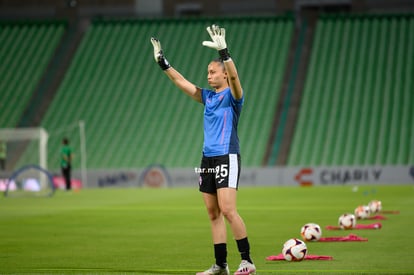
x: 362, y: 212
x: 375, y: 206
x: 347, y: 221
x: 294, y: 250
x: 311, y: 232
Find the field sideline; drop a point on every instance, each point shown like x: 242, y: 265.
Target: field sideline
x: 166, y: 231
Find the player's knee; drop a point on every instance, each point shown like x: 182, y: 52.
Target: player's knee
x: 229, y: 213
x: 213, y: 213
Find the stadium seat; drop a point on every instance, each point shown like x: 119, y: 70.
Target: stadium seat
x: 356, y: 102
x: 135, y: 117
x: 25, y: 51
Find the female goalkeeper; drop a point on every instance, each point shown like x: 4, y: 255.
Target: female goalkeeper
x: 222, y: 107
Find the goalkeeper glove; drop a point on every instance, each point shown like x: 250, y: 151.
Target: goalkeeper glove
x: 218, y: 35
x: 159, y: 55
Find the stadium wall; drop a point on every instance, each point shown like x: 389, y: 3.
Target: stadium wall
x: 159, y: 176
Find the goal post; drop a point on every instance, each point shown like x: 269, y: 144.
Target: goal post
x: 39, y: 149
x: 24, y: 168
x: 16, y: 141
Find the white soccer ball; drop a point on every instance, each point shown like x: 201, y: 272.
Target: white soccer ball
x: 375, y: 206
x: 294, y: 250
x: 347, y: 221
x: 362, y: 212
x: 311, y: 232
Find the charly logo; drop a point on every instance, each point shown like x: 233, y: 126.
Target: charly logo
x: 303, y: 177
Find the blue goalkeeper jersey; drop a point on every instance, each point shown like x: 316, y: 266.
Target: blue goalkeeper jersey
x: 221, y: 117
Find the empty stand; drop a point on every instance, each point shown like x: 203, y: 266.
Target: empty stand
x: 135, y: 117
x: 25, y: 51
x: 357, y: 102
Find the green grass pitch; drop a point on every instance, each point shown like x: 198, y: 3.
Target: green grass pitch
x: 166, y: 231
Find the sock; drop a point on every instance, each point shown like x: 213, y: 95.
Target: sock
x: 244, y: 249
x: 220, y: 253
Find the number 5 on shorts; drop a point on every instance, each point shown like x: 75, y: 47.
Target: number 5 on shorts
x: 222, y: 171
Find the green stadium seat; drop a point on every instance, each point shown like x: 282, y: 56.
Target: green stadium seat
x: 135, y: 117
x: 25, y: 51
x: 355, y: 106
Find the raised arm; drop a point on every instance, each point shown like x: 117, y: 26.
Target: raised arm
x: 180, y: 81
x: 218, y: 37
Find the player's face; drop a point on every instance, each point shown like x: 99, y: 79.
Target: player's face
x: 216, y: 75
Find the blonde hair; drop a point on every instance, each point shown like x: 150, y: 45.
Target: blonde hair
x: 219, y: 60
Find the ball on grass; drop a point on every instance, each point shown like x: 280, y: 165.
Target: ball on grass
x: 294, y: 250
x: 362, y: 212
x: 375, y: 206
x: 347, y: 221
x: 311, y: 232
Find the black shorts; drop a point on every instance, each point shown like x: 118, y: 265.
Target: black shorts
x: 219, y: 172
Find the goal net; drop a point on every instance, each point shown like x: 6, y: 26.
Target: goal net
x: 23, y: 159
